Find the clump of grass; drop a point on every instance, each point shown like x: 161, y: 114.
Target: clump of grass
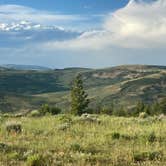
x: 35, y: 160
x: 13, y: 127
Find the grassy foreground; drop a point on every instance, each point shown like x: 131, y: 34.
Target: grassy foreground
x: 67, y: 140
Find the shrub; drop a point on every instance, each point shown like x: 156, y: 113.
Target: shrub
x: 44, y: 109
x: 89, y: 118
x: 64, y: 127
x: 155, y: 155
x: 115, y: 135
x: 4, y: 147
x: 13, y: 127
x: 143, y: 156
x: 92, y: 149
x: 55, y: 111
x: 128, y: 137
x: 13, y: 156
x: 152, y: 137
x: 66, y: 118
x: 107, y: 111
x: 34, y: 113
x: 143, y: 115
x: 140, y: 156
x: 35, y: 160
x: 161, y: 117
x: 119, y: 112
x: 75, y: 147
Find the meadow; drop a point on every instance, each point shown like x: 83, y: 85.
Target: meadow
x: 66, y: 140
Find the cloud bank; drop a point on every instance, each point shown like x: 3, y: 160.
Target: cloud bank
x: 138, y: 25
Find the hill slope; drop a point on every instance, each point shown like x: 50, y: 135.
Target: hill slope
x: 123, y: 85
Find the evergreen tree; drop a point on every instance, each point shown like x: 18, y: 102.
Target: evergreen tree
x: 140, y: 107
x: 163, y: 106
x: 79, y: 98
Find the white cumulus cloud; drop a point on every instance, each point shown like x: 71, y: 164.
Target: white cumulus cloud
x: 139, y: 24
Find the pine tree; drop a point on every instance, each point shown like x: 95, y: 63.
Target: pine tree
x: 163, y: 105
x: 79, y: 98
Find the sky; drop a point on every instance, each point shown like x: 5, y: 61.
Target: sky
x: 82, y: 33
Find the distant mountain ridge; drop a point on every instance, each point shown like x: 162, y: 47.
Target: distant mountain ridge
x: 24, y: 67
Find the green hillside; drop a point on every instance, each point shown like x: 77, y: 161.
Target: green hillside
x: 123, y: 85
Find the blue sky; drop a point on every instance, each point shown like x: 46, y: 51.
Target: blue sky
x: 82, y: 33
x: 71, y: 6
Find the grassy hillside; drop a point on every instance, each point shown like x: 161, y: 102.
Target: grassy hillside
x: 68, y: 140
x: 123, y: 85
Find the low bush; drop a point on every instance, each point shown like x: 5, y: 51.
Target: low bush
x: 75, y: 147
x: 143, y: 156
x: 14, y: 127
x: 143, y: 115
x: 55, y: 110
x: 161, y: 117
x: 13, y: 156
x: 90, y: 118
x: 120, y: 112
x: 34, y: 113
x: 115, y: 135
x: 66, y: 118
x: 46, y: 109
x: 64, y: 126
x: 4, y: 147
x: 152, y: 137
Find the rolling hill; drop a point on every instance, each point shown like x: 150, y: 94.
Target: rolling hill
x: 122, y: 85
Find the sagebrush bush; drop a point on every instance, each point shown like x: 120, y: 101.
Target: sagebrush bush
x: 64, y: 126
x: 75, y: 147
x: 161, y: 117
x: 66, y: 118
x: 89, y: 118
x: 152, y: 137
x: 143, y: 115
x: 14, y: 127
x: 13, y: 156
x: 4, y: 147
x: 34, y: 113
x: 115, y: 135
x: 143, y: 156
x: 55, y: 110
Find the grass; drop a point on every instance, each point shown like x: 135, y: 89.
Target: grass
x: 46, y: 141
